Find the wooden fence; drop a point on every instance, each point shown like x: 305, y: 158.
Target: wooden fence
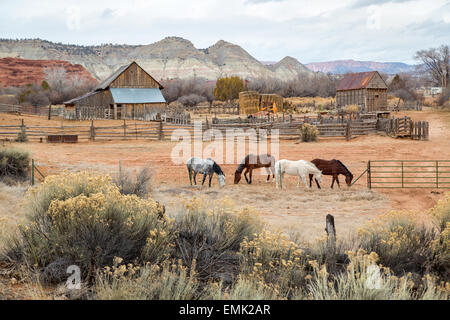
x: 404, y: 127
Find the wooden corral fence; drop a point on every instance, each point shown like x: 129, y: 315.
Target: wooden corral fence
x: 406, y: 105
x: 230, y: 108
x: 28, y: 109
x: 408, y: 174
x: 405, y: 127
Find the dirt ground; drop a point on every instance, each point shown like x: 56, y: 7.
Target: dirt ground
x: 290, y: 210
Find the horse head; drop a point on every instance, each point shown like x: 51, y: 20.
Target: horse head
x: 319, y: 177
x: 221, y: 178
x: 237, y: 177
x: 348, y: 179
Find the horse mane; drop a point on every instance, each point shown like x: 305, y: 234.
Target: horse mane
x: 345, y: 168
x: 217, y: 169
x: 241, y: 166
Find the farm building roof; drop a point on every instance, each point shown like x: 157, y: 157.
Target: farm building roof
x: 72, y: 101
x: 105, y: 83
x: 353, y: 81
x: 137, y: 95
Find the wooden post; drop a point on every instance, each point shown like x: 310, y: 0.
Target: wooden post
x: 92, y: 131
x: 115, y: 111
x: 427, y: 132
x: 419, y: 136
x: 124, y: 129
x: 160, y: 133
x: 348, y: 132
x: 369, y: 178
x: 49, y: 111
x: 331, y: 244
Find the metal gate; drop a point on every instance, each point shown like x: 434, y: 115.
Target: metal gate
x: 408, y: 174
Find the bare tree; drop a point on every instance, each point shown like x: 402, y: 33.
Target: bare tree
x: 436, y: 63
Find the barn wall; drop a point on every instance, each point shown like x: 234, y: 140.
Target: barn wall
x: 374, y: 104
x: 102, y: 98
x: 134, y: 77
x: 347, y: 97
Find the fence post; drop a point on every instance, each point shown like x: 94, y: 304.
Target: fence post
x: 160, y: 131
x: 331, y: 244
x: 348, y: 132
x: 92, y: 131
x: 369, y: 177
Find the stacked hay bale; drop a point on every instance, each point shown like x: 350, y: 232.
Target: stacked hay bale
x: 249, y: 102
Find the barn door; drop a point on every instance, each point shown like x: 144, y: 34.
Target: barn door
x: 376, y: 102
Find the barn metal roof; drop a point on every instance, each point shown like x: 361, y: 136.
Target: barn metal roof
x: 137, y: 95
x: 353, y: 81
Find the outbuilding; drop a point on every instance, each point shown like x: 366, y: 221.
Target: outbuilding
x: 368, y: 90
x: 129, y: 93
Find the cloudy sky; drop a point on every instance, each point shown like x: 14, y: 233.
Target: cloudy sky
x: 309, y: 30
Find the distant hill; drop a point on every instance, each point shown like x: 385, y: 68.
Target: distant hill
x: 169, y: 58
x: 16, y: 72
x: 344, y: 66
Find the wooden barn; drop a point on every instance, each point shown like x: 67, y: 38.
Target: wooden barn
x: 129, y: 93
x: 366, y: 89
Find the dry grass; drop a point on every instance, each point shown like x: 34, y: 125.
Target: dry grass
x: 11, y: 209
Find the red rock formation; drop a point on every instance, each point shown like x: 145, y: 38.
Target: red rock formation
x: 15, y: 72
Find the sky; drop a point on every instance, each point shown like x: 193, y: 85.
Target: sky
x: 309, y: 30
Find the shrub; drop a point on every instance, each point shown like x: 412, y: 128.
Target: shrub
x: 82, y: 219
x: 22, y: 135
x: 308, y: 133
x: 151, y: 282
x: 129, y: 184
x: 365, y: 280
x: 402, y: 243
x: 352, y: 108
x: 212, y: 237
x: 273, y: 259
x: 14, y: 163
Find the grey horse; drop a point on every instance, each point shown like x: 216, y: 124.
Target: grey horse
x: 205, y: 167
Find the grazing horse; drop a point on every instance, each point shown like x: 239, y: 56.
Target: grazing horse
x: 332, y: 168
x: 206, y: 167
x: 300, y: 168
x: 251, y: 162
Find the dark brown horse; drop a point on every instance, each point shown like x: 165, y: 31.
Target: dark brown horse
x: 251, y: 162
x: 332, y: 168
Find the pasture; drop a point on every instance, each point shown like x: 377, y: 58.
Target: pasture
x: 293, y: 210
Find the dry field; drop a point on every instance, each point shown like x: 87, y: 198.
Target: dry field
x: 291, y: 210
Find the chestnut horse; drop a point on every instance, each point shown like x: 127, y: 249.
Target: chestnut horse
x: 251, y: 162
x: 332, y: 168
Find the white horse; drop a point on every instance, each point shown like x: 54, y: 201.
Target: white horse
x: 206, y: 167
x: 300, y: 168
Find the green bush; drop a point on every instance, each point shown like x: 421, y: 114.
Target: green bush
x: 82, y: 219
x: 151, y: 282
x: 212, y: 238
x: 402, y: 243
x: 22, y: 135
x: 14, y: 163
x: 308, y: 133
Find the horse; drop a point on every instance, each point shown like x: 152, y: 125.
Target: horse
x: 206, y: 167
x: 300, y: 168
x: 332, y: 168
x: 251, y: 162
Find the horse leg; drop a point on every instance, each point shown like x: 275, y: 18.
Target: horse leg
x: 245, y: 174
x: 251, y: 174
x: 204, y: 178
x: 195, y: 178
x: 298, y: 182
x: 310, y: 180
x: 210, y: 178
x: 190, y: 176
x: 304, y: 181
x: 332, y: 182
x: 337, y: 180
x: 268, y: 174
x: 317, y: 182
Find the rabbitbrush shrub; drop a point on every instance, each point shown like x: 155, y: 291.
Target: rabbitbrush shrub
x: 212, y: 237
x: 84, y: 220
x: 308, y: 133
x: 14, y: 163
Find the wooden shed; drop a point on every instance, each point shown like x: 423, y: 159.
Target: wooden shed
x: 129, y: 93
x: 366, y: 89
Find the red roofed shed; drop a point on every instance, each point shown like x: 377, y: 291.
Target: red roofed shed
x: 366, y: 89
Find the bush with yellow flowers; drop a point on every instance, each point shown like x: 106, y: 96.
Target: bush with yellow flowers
x: 84, y: 220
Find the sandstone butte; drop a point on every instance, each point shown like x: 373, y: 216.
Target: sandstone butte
x: 16, y: 72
